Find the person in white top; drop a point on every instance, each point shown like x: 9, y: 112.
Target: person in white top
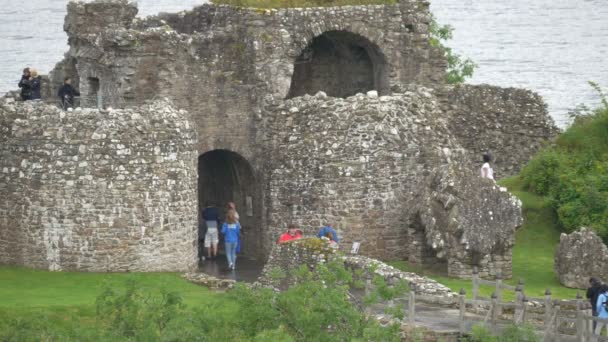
x: 486, y: 169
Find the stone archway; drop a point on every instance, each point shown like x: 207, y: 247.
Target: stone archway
x: 341, y: 64
x: 226, y: 176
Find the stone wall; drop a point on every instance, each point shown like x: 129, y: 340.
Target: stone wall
x: 387, y: 172
x: 396, y: 173
x: 511, y: 124
x: 220, y: 61
x: 581, y: 255
x: 97, y: 191
x: 286, y: 258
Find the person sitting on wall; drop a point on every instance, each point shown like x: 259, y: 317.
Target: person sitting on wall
x: 67, y: 93
x: 211, y: 216
x: 329, y: 228
x: 292, y: 234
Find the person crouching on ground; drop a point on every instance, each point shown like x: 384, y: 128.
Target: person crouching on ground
x: 292, y: 234
x: 600, y: 307
x: 329, y: 228
x: 67, y: 93
x: 231, y: 230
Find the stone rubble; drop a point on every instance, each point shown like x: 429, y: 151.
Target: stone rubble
x: 581, y: 255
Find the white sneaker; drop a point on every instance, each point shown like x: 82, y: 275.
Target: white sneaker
x: 231, y: 266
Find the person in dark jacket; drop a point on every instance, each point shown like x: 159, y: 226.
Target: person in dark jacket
x: 594, y: 290
x: 67, y: 93
x: 25, y: 85
x: 36, y: 82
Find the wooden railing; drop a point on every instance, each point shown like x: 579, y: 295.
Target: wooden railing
x: 554, y: 320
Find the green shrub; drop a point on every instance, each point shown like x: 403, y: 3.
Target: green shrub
x: 573, y: 173
x: 458, y: 68
x: 318, y: 308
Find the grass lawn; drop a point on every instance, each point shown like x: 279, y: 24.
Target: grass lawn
x: 63, y: 297
x: 535, y: 244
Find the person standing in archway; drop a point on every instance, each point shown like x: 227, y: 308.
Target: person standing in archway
x: 211, y: 216
x: 232, y: 206
x: 231, y: 229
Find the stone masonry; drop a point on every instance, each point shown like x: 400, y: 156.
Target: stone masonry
x: 388, y: 173
x: 303, y: 116
x: 97, y: 191
x: 581, y: 255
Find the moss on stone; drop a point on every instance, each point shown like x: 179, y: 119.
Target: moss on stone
x: 315, y: 244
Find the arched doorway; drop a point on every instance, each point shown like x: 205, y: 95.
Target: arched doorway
x: 225, y: 176
x: 341, y: 64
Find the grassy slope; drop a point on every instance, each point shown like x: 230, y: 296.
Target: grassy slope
x: 535, y: 245
x: 64, y: 296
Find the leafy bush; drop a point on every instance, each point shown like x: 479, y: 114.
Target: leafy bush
x: 459, y: 68
x: 573, y: 173
x: 318, y: 308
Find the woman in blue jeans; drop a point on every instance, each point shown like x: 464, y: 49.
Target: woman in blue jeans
x: 231, y: 230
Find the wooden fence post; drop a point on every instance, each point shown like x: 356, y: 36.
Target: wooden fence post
x: 556, y: 334
x: 462, y: 306
x: 499, y: 293
x: 548, y: 307
x: 475, y: 283
x: 520, y: 284
x: 519, y: 296
x: 494, y: 313
x: 524, y: 303
x: 580, y: 328
x: 368, y: 283
x: 411, y: 312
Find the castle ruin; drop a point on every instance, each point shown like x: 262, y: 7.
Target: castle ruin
x: 303, y: 116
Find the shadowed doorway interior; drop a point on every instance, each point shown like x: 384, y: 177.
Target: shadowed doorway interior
x: 225, y: 176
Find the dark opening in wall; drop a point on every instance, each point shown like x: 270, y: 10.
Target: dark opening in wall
x: 341, y: 64
x: 225, y: 176
x: 94, y: 95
